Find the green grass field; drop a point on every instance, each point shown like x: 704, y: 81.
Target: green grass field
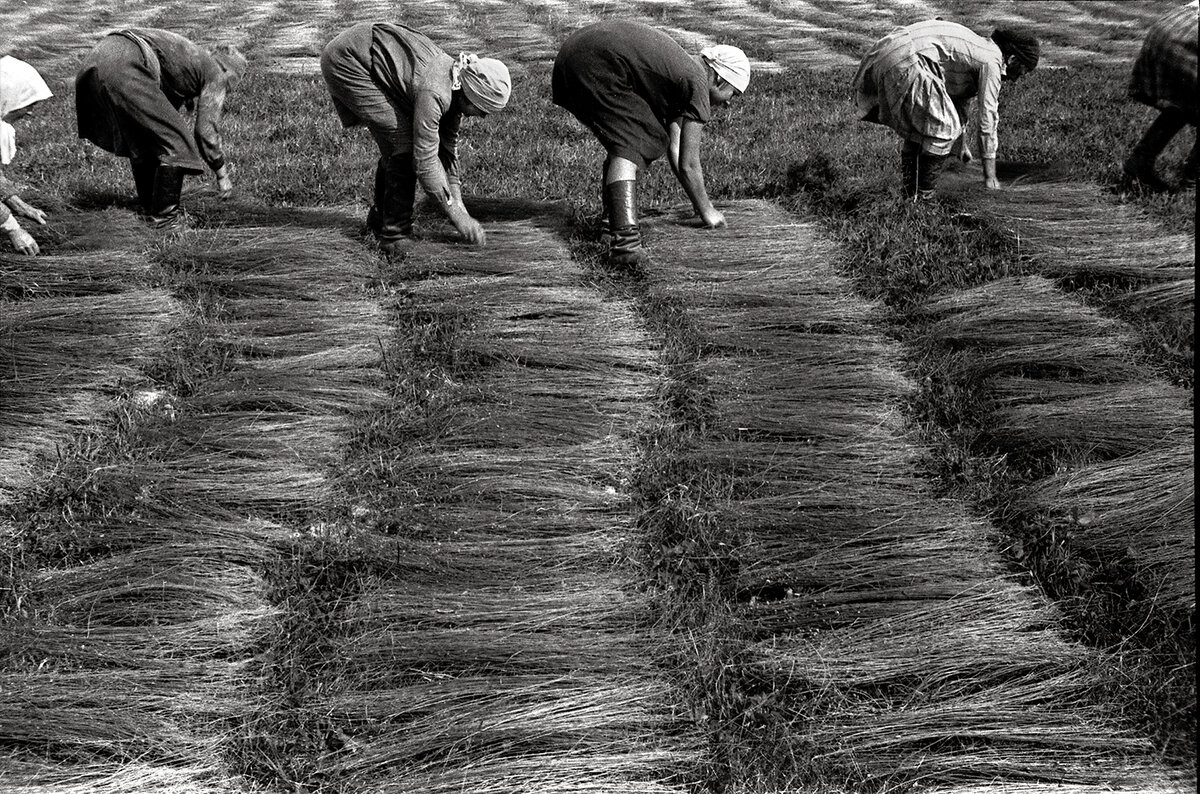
x: 852, y: 496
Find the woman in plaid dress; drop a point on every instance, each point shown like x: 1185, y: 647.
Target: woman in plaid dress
x: 1164, y: 77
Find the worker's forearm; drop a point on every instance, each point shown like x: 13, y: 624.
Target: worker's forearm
x: 692, y: 181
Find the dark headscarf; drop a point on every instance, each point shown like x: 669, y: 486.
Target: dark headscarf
x: 1021, y: 43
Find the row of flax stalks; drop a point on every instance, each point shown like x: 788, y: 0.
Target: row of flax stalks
x: 76, y: 327
x: 851, y: 631
x: 1083, y: 453
x: 502, y: 638
x: 1080, y: 238
x: 144, y: 598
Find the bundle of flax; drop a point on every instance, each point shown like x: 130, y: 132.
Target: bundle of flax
x: 1141, y: 507
x: 1094, y: 420
x: 1025, y: 325
x: 267, y: 262
x: 50, y: 275
x: 1075, y: 229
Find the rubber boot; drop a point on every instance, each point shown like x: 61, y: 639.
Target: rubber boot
x: 143, y: 182
x: 908, y: 169
x: 165, y: 212
x: 1139, y: 166
x: 625, y: 249
x: 929, y: 167
x: 395, y: 206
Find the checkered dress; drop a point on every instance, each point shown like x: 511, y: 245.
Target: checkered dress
x: 1164, y: 75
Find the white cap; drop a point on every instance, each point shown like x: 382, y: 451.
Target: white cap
x: 729, y: 63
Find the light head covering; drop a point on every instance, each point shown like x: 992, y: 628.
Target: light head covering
x: 485, y: 81
x: 729, y: 63
x: 1021, y: 43
x: 231, y: 60
x: 20, y: 86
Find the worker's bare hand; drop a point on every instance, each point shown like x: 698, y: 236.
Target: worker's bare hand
x: 23, y: 242
x: 472, y: 231
x: 21, y: 207
x: 713, y: 218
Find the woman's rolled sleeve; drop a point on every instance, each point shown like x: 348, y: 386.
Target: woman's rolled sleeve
x: 427, y: 143
x: 208, y: 126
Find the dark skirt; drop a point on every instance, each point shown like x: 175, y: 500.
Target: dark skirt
x: 596, y: 89
x: 120, y: 107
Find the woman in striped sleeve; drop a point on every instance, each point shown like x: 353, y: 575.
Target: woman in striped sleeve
x: 919, y: 80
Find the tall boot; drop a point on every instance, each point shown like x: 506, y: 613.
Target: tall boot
x: 1139, y: 166
x: 625, y: 250
x: 143, y: 181
x: 395, y: 206
x: 929, y: 167
x: 603, y: 223
x: 165, y: 213
x: 374, y: 220
x: 1190, y: 168
x: 908, y: 169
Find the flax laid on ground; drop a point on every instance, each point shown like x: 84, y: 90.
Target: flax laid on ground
x: 1037, y: 416
x: 120, y: 777
x: 509, y: 649
x: 141, y: 645
x: 1171, y: 297
x: 888, y: 636
x: 51, y: 275
x: 60, y: 360
x: 265, y: 262
x: 1123, y: 433
x: 1140, y: 507
x: 113, y: 231
x: 1074, y: 229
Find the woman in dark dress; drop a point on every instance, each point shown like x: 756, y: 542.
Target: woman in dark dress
x: 412, y: 96
x: 643, y: 96
x: 128, y: 95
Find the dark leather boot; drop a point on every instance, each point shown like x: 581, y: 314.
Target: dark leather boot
x: 143, y: 181
x: 394, y: 207
x: 929, y: 167
x: 374, y: 220
x: 1140, y: 165
x: 1190, y: 168
x: 908, y: 169
x: 165, y: 212
x: 603, y: 223
x: 626, y: 247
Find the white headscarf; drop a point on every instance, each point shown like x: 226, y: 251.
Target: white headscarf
x: 485, y: 81
x: 20, y: 86
x: 729, y: 63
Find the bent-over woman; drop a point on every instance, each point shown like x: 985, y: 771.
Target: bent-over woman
x: 21, y: 87
x: 412, y: 97
x: 642, y: 95
x: 919, y: 80
x: 1164, y: 77
x: 128, y: 96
